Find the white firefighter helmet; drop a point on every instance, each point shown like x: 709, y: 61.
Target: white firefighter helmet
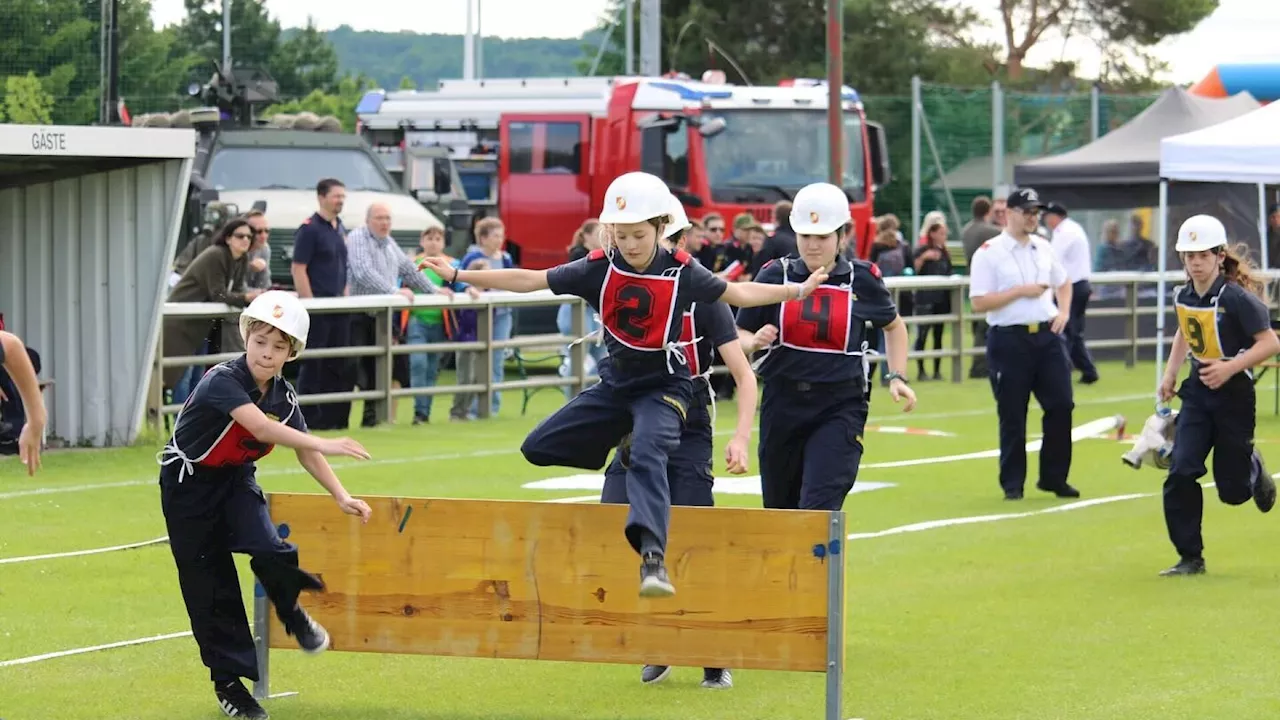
x: 281, y: 310
x: 819, y: 209
x: 1201, y: 232
x: 679, y: 220
x: 635, y: 197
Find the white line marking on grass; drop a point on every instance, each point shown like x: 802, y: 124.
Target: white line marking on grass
x: 264, y: 473
x: 1089, y: 429
x: 95, y: 648
x: 976, y: 519
x: 77, y: 553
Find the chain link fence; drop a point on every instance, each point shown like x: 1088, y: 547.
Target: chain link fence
x: 971, y: 139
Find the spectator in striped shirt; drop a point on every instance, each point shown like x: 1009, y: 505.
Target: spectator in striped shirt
x: 376, y: 265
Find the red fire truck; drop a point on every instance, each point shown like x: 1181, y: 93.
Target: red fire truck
x: 541, y: 152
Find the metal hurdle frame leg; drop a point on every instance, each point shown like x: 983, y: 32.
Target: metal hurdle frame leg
x: 261, y: 628
x: 835, y: 615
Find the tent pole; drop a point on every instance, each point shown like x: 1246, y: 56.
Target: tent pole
x: 1161, y: 264
x: 1262, y: 226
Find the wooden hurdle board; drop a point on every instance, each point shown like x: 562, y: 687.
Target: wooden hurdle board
x: 755, y: 589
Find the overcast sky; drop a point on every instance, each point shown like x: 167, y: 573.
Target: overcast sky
x: 1240, y: 30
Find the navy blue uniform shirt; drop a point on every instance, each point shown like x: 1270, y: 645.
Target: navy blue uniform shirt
x: 1219, y: 325
x: 641, y: 313
x: 206, y: 435
x: 322, y: 247
x: 817, y: 335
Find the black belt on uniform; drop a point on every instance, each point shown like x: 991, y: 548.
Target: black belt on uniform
x: 1027, y: 328
x: 823, y: 387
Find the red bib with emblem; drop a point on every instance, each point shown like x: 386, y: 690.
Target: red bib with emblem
x: 236, y: 446
x: 818, y: 323
x: 638, y: 310
x: 687, y: 343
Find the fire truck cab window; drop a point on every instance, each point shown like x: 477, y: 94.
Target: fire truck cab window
x: 268, y: 168
x: 763, y: 156
x: 545, y: 147
x: 664, y: 151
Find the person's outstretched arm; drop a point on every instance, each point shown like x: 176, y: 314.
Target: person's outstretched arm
x: 13, y: 355
x: 514, y: 280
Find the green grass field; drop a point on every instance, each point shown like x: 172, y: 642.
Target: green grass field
x: 1042, y: 616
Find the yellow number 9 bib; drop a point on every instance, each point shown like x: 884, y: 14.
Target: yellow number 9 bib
x: 1199, y: 327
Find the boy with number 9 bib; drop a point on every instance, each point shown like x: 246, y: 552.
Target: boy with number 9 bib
x: 1225, y: 328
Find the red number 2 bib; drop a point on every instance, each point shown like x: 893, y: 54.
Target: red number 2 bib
x: 637, y: 310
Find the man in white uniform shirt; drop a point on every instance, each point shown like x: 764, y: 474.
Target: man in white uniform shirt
x: 1071, y: 244
x: 1014, y: 279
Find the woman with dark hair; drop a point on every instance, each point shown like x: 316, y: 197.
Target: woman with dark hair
x: 216, y: 275
x: 932, y: 258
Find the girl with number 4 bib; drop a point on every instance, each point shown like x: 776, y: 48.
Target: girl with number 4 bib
x: 641, y: 292
x: 815, y: 369
x: 213, y: 506
x: 1225, y: 328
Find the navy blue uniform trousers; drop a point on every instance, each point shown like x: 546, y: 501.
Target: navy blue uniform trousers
x: 1221, y: 421
x: 581, y: 434
x: 689, y: 476
x: 810, y: 443
x: 1021, y: 363
x: 327, y: 375
x: 1080, y: 357
x: 209, y: 516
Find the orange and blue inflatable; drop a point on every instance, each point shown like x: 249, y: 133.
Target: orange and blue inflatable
x: 1261, y: 80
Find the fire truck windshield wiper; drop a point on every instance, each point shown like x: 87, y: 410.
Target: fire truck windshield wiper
x: 762, y: 186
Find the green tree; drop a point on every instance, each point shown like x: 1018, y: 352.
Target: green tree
x: 1125, y: 30
x: 340, y: 104
x: 300, y: 61
x: 255, y: 37
x: 407, y: 83
x: 305, y: 62
x: 886, y: 42
x: 153, y: 65
x: 57, y: 42
x: 26, y: 102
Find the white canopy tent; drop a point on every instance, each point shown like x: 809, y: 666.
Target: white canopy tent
x: 1244, y: 150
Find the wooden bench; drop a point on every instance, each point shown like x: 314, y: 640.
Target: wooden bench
x: 755, y: 589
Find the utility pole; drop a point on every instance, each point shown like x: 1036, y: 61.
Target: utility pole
x: 226, y: 35
x: 468, y: 48
x: 630, y: 67
x: 650, y: 38
x: 109, y: 63
x: 480, y: 39
x: 835, y: 87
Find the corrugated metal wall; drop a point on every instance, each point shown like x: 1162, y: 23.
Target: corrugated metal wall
x: 83, y: 270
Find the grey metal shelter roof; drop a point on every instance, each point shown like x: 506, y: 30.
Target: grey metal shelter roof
x: 89, y: 219
x: 1122, y: 168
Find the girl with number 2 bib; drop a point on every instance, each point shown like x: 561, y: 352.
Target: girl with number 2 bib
x: 641, y: 292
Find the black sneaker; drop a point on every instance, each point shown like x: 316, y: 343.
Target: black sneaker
x: 1185, y: 566
x: 420, y: 419
x: 717, y: 678
x: 311, y: 636
x: 1063, y: 491
x: 653, y: 674
x: 653, y: 577
x: 236, y: 702
x: 624, y: 451
x: 1264, y: 488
